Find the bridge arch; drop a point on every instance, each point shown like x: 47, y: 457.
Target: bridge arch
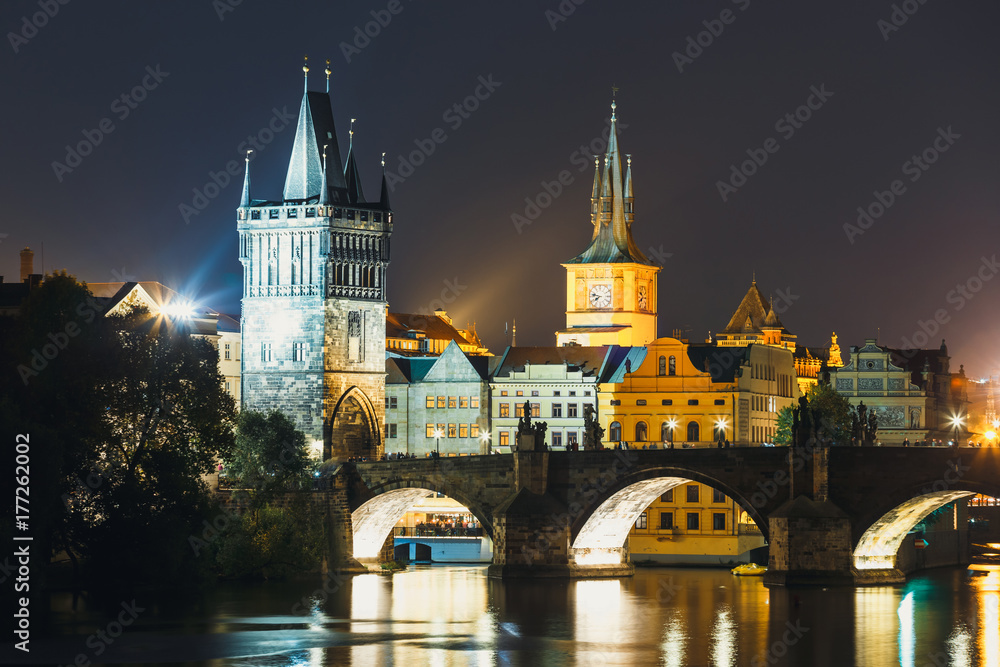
x: 879, y: 533
x: 598, y: 534
x: 375, y: 518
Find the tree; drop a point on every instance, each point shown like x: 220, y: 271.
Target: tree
x: 783, y: 429
x: 830, y: 415
x: 270, y: 464
x: 269, y: 458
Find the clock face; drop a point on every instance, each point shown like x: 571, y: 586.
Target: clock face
x: 600, y: 296
x: 643, y: 301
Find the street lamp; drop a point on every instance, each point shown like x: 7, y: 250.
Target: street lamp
x: 437, y: 436
x: 956, y: 422
x: 720, y: 424
x: 671, y: 425
x: 484, y: 438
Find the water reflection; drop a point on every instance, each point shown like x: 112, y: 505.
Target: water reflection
x: 432, y: 615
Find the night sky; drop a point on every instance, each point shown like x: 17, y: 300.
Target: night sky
x: 224, y: 67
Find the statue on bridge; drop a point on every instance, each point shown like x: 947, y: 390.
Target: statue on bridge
x: 864, y: 425
x: 592, y: 431
x: 530, y: 438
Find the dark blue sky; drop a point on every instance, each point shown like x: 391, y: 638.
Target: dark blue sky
x: 118, y: 211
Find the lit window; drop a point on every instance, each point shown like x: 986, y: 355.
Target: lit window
x: 505, y: 409
x: 503, y: 393
x: 504, y: 439
x: 520, y: 393
x: 475, y: 401
x: 430, y: 401
x: 536, y: 410
x: 452, y: 402
x: 452, y: 431
x: 474, y: 430
x: 430, y: 430
x: 440, y: 401
x: 463, y: 430
x: 463, y: 402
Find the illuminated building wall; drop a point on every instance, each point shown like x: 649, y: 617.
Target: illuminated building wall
x: 913, y: 392
x: 448, y: 394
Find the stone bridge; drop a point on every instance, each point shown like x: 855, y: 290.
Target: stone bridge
x: 835, y: 515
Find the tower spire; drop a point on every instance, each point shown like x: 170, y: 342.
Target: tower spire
x: 328, y: 73
x: 305, y: 75
x: 324, y: 190
x: 629, y: 214
x: 354, y: 191
x: 351, y: 133
x: 595, y: 198
x: 245, y: 199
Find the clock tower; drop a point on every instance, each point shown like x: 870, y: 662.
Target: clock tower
x: 611, y: 286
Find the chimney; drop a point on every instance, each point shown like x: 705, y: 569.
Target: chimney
x: 27, y: 263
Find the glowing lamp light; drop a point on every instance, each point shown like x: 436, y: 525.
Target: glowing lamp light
x: 957, y: 420
x: 991, y: 435
x: 181, y: 310
x: 672, y: 423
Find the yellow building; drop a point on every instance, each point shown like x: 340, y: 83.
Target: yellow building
x: 696, y: 525
x: 696, y: 394
x: 611, y: 289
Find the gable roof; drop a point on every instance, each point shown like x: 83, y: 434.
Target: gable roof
x: 589, y: 360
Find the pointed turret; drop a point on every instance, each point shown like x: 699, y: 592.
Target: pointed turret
x: 324, y: 190
x: 315, y: 129
x: 384, y: 195
x: 595, y: 198
x: 629, y: 215
x: 245, y: 199
x: 354, y: 192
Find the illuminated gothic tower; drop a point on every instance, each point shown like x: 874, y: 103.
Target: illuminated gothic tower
x: 611, y: 287
x: 314, y: 268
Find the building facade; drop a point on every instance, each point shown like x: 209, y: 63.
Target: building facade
x: 558, y: 382
x: 437, y: 404
x: 611, y: 288
x: 314, y: 307
x: 696, y: 394
x: 419, y: 334
x: 913, y: 392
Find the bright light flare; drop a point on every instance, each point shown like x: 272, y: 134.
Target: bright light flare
x: 179, y: 310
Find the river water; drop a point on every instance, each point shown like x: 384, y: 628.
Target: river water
x: 455, y: 615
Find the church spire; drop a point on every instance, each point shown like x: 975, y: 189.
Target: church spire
x: 612, y: 208
x: 245, y: 199
x: 315, y: 128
